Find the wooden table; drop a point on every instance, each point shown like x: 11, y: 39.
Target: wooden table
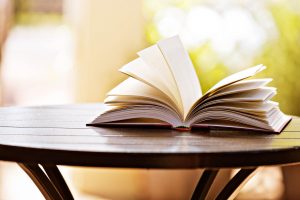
x: 40, y: 138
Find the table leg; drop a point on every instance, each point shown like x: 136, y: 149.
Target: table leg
x: 229, y: 191
x: 49, y: 181
x: 235, y: 184
x: 58, y: 181
x: 204, y: 184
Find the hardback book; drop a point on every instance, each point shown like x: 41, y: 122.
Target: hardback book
x: 163, y: 89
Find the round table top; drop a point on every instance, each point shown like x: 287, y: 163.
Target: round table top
x: 59, y: 135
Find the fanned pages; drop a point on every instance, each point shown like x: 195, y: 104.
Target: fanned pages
x: 163, y: 90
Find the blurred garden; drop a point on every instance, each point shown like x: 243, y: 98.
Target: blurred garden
x: 222, y: 36
x: 226, y: 36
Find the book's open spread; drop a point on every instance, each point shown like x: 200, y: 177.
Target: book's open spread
x: 163, y: 90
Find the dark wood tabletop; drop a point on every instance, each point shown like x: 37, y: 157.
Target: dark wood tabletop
x: 40, y: 138
x: 59, y: 135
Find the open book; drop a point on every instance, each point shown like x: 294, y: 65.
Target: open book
x: 163, y: 89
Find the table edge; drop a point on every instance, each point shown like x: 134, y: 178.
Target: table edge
x: 151, y: 160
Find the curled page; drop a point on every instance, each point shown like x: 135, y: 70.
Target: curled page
x: 183, y: 71
x: 238, y: 76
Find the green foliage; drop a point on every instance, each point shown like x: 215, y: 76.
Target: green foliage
x: 282, y: 57
x: 25, y: 15
x: 32, y: 18
x: 152, y: 34
x: 209, y: 68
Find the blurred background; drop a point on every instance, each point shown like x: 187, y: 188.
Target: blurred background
x: 62, y: 51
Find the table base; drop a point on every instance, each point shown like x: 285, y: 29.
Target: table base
x: 52, y: 185
x: 49, y: 181
x: 229, y: 191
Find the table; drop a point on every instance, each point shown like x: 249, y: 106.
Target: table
x: 40, y: 138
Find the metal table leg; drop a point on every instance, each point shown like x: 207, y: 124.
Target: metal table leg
x: 229, y: 191
x: 58, y: 181
x: 52, y: 185
x: 236, y: 183
x: 49, y: 181
x: 204, y: 184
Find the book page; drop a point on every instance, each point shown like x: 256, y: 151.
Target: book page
x: 242, y: 86
x: 249, y: 107
x: 133, y: 87
x: 183, y: 71
x: 138, y: 112
x: 227, y: 115
x: 150, y: 75
x: 238, y: 87
x: 237, y: 77
x: 139, y: 70
x: 275, y: 123
x: 153, y: 57
x: 127, y: 101
x: 259, y: 95
x: 223, y: 124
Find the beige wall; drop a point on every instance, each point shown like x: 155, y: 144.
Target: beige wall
x: 108, y: 34
x: 6, y: 14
